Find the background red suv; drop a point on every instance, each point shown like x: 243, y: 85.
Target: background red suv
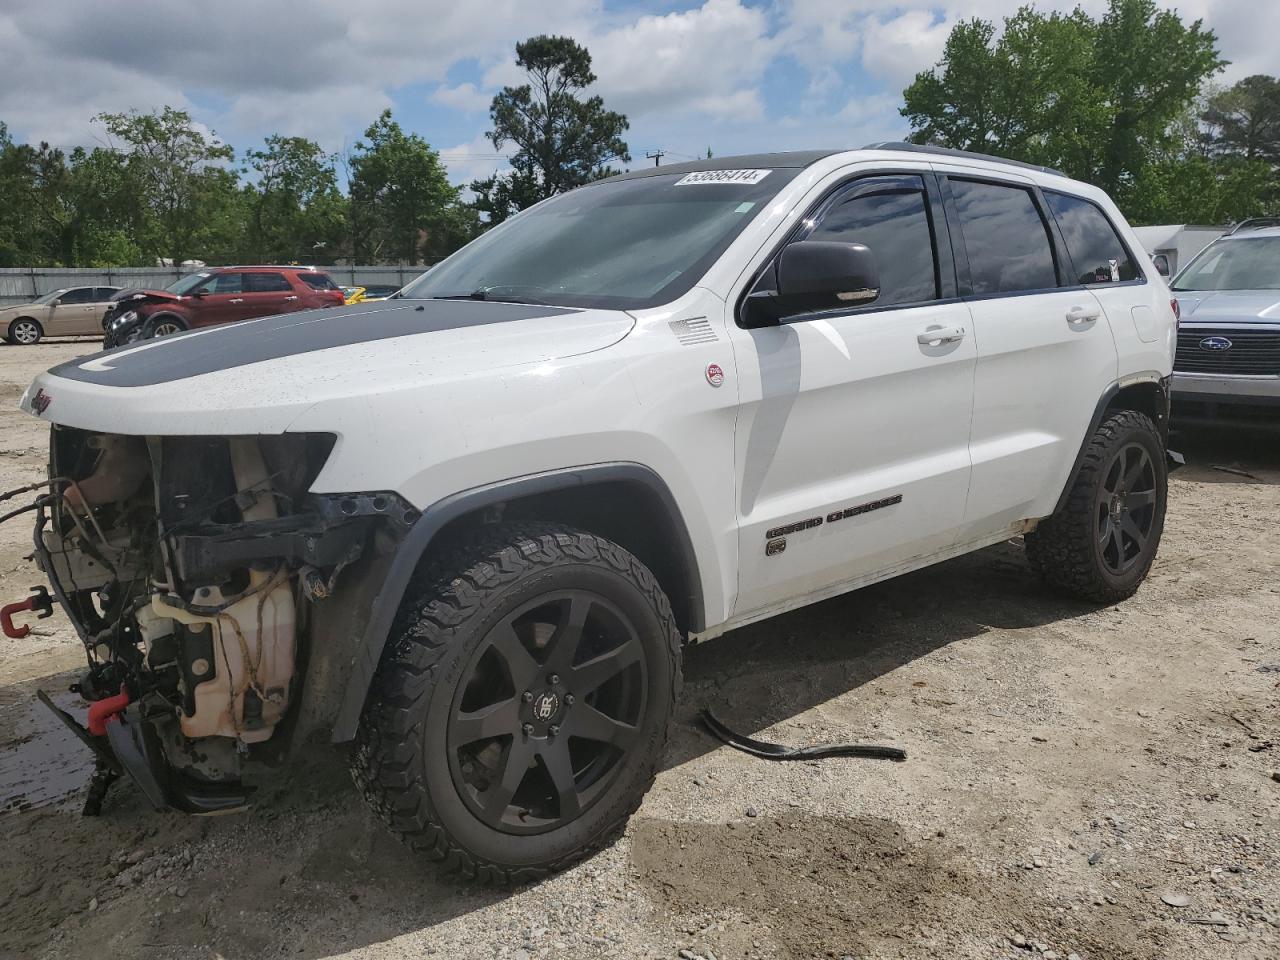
x: 217, y: 295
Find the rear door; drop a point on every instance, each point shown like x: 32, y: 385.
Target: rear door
x: 852, y: 439
x: 1045, y: 351
x: 267, y: 293
x: 74, y: 314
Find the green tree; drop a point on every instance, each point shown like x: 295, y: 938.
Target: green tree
x: 563, y: 140
x: 1096, y: 98
x: 402, y: 204
x: 1245, y: 120
x: 182, y: 174
x: 296, y: 211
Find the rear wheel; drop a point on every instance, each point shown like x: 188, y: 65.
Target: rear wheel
x: 1100, y: 545
x: 522, y: 707
x: 24, y: 331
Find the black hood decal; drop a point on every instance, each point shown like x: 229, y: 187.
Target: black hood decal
x: 191, y: 354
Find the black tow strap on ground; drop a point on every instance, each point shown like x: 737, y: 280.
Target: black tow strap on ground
x: 776, y: 751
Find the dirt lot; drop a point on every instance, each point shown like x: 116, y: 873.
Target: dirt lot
x: 1069, y: 768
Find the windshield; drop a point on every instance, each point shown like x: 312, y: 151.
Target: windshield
x: 51, y: 296
x: 1243, y: 264
x: 186, y: 284
x: 618, y: 244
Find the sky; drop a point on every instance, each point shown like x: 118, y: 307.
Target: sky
x: 735, y: 76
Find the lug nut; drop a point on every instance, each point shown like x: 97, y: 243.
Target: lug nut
x: 568, y: 699
x: 554, y: 729
x: 554, y: 679
x: 527, y: 728
x: 528, y: 696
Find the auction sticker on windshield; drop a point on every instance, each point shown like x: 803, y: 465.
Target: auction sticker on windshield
x: 722, y: 176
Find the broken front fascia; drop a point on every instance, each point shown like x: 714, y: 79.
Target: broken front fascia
x: 192, y: 593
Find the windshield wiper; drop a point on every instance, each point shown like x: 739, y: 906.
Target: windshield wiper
x: 484, y: 293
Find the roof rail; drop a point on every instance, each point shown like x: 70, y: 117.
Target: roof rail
x: 1255, y: 223
x: 963, y: 154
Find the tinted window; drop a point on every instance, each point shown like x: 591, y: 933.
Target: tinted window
x: 77, y: 295
x: 266, y: 283
x: 318, y: 281
x: 105, y: 293
x: 1095, y: 248
x: 890, y: 216
x: 224, y: 283
x: 1005, y: 237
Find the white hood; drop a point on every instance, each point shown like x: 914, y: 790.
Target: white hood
x: 259, y: 376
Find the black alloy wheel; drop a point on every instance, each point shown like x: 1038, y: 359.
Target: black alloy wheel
x: 548, y: 710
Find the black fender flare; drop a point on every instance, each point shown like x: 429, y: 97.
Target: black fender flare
x: 1104, y: 403
x: 434, y: 518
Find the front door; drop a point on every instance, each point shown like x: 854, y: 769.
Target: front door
x: 852, y: 439
x: 220, y: 299
x: 74, y: 314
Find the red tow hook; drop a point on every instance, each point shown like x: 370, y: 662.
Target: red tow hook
x: 100, y: 711
x: 39, y: 602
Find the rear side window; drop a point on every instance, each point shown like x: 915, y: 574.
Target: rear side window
x: 890, y: 216
x: 318, y: 281
x: 105, y: 293
x: 265, y: 283
x: 1005, y: 237
x: 1096, y: 250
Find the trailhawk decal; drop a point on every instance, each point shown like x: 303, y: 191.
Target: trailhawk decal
x: 775, y: 545
x: 722, y: 176
x: 210, y: 349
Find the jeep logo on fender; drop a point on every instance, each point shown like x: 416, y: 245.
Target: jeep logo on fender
x: 40, y: 402
x: 1215, y: 344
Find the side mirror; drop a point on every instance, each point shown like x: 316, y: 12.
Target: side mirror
x: 200, y: 294
x: 58, y: 302
x: 816, y: 275
x: 1161, y: 262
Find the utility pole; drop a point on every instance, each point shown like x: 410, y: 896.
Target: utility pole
x: 656, y: 157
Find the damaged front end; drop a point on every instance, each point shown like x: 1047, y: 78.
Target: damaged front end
x: 193, y: 569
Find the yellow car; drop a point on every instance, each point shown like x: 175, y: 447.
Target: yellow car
x: 374, y: 291
x: 352, y: 294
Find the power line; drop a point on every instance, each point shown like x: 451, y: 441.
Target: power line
x: 656, y: 157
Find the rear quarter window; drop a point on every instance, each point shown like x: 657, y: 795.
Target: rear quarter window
x: 318, y: 281
x: 1096, y: 250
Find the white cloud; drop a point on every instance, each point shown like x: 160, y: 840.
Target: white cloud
x: 473, y: 160
x: 465, y: 96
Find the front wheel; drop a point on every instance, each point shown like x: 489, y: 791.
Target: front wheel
x: 24, y: 332
x: 521, y: 708
x: 1101, y: 543
x: 162, y: 327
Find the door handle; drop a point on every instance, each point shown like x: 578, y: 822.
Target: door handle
x: 935, y: 336
x: 236, y: 300
x: 290, y: 298
x: 1078, y: 316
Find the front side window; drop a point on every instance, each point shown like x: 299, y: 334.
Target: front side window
x: 889, y: 215
x: 620, y: 244
x: 1238, y: 264
x: 184, y: 285
x: 1096, y: 250
x: 1005, y: 237
x: 77, y: 295
x: 265, y: 283
x: 223, y: 283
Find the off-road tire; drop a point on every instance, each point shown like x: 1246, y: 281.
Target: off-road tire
x: 1064, y: 549
x: 400, y: 761
x: 18, y: 334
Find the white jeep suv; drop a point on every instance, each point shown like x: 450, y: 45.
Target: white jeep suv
x: 469, y: 528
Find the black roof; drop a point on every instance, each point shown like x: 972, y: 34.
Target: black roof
x: 804, y: 158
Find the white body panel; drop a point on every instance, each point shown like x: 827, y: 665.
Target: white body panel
x: 977, y: 436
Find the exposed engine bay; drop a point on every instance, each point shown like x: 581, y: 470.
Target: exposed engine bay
x: 191, y: 568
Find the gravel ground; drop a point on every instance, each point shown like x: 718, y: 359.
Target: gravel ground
x: 1082, y: 781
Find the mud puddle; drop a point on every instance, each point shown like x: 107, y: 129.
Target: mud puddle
x: 41, y: 761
